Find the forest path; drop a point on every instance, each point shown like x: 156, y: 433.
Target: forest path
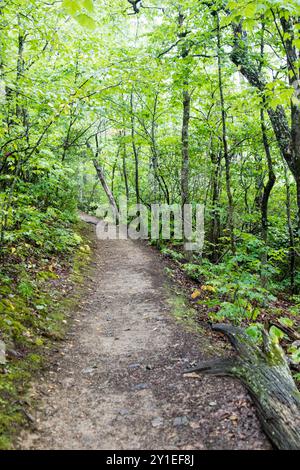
x: 117, y: 382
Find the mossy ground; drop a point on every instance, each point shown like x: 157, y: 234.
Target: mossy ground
x: 37, y: 296
x: 186, y: 315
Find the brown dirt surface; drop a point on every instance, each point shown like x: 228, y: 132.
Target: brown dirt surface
x: 117, y: 381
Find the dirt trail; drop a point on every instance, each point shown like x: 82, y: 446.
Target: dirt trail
x: 117, y: 381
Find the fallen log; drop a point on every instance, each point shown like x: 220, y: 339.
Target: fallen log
x: 265, y: 373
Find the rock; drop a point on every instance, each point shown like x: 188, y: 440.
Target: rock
x: 28, y: 415
x: 123, y: 412
x: 180, y: 421
x: 141, y: 386
x: 136, y: 365
x: 157, y: 422
x: 2, y: 353
x: 11, y: 353
x: 88, y: 370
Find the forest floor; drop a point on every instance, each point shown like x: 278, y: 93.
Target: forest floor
x: 116, y: 381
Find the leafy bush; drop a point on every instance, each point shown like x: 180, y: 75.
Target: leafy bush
x: 175, y: 255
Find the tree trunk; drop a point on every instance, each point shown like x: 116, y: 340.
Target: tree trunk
x: 105, y: 186
x: 185, y: 164
x: 215, y: 223
x: 267, y: 376
x: 113, y: 173
x: 266, y: 195
x: 292, y: 249
x: 124, y: 158
x: 20, y: 69
x: 288, y: 139
x: 271, y: 175
x: 270, y: 183
x: 292, y: 59
x: 227, y: 156
x: 155, y: 155
x: 91, y: 197
x: 135, y: 150
x: 100, y: 174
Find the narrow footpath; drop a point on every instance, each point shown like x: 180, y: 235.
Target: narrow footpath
x: 117, y: 381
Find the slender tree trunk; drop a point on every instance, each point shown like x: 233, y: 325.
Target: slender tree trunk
x: 259, y: 186
x: 91, y: 198
x: 102, y: 179
x: 293, y: 60
x: 135, y: 150
x: 113, y: 173
x: 186, y: 105
x: 124, y: 166
x: 271, y: 175
x: 215, y: 223
x: 227, y: 157
x: 155, y: 156
x: 20, y: 70
x: 105, y: 186
x: 271, y: 180
x: 67, y: 139
x: 292, y: 249
x: 288, y: 138
x: 185, y: 163
x: 266, y: 195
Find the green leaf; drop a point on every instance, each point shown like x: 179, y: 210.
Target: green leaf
x: 86, y: 21
x: 71, y: 6
x: 295, y: 357
x: 88, y: 5
x: 286, y: 322
x: 250, y: 10
x: 276, y: 334
x: 225, y: 21
x: 296, y: 43
x: 254, y: 331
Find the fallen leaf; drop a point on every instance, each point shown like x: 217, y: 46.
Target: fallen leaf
x: 196, y: 294
x: 194, y: 425
x: 192, y: 375
x: 233, y: 418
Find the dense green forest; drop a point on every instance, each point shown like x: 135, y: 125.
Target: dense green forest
x: 171, y: 101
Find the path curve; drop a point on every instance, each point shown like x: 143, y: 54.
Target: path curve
x: 117, y: 383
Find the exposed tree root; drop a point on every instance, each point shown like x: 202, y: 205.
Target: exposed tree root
x: 266, y: 374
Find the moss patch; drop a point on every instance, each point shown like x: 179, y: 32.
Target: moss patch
x: 37, y: 297
x: 187, y: 316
